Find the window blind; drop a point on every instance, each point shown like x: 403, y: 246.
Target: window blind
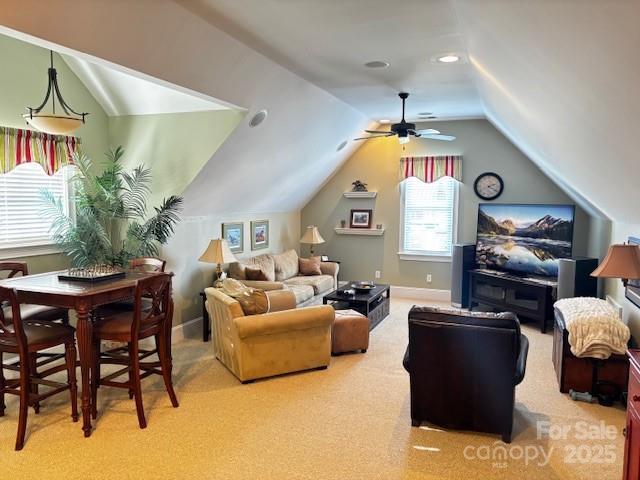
x: 21, y: 221
x: 428, y: 216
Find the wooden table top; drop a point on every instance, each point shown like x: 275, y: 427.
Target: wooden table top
x: 49, y: 283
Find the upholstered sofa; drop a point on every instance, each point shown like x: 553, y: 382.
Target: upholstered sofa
x: 287, y: 339
x: 282, y: 272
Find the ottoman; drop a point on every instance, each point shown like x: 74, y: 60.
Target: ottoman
x: 350, y: 332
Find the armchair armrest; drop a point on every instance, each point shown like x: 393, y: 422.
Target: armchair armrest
x: 330, y: 268
x: 286, y: 321
x: 263, y: 285
x: 521, y: 363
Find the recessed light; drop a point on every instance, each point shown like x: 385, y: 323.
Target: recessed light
x: 384, y: 121
x: 258, y: 118
x: 449, y: 59
x: 377, y: 64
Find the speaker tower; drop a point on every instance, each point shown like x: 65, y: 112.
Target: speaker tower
x: 463, y: 260
x: 574, y: 277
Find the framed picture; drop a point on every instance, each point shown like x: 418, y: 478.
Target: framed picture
x: 360, y: 219
x: 633, y: 286
x: 259, y: 234
x: 233, y: 233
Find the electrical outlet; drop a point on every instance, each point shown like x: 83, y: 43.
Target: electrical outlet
x: 428, y: 278
x: 377, y: 273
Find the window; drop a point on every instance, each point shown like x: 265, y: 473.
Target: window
x: 428, y: 219
x: 23, y: 229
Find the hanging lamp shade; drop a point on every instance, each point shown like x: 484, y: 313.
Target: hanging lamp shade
x: 50, y: 122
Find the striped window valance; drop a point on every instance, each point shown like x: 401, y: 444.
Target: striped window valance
x: 430, y: 169
x: 19, y: 146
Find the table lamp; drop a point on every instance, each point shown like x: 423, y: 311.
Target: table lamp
x: 622, y: 261
x: 312, y: 236
x: 217, y: 252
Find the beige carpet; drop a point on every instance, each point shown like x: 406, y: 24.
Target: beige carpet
x: 348, y: 422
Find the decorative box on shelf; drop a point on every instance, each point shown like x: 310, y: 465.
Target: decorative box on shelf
x: 360, y: 231
x: 360, y: 194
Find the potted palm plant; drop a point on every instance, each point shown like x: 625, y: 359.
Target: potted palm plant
x: 110, y: 225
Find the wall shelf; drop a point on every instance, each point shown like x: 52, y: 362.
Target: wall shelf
x: 360, y: 194
x: 360, y: 231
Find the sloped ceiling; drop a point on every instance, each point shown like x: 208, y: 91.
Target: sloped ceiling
x: 559, y: 78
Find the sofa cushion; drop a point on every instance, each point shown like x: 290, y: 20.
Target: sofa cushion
x: 265, y: 262
x: 320, y: 283
x: 301, y: 292
x: 286, y: 265
x: 310, y: 266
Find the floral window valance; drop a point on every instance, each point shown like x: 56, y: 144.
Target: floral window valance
x: 19, y: 146
x: 430, y: 169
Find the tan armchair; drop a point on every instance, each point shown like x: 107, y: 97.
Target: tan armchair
x: 274, y: 343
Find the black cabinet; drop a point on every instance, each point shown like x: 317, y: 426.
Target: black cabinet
x: 529, y: 298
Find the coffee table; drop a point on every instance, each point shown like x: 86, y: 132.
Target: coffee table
x: 374, y: 304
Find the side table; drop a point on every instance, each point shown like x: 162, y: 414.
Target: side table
x: 206, y: 322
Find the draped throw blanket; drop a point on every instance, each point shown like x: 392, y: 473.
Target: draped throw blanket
x: 19, y: 146
x: 430, y: 169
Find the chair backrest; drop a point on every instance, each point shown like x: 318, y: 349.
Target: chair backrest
x: 147, y: 264
x: 13, y: 268
x: 152, y: 301
x: 11, y: 329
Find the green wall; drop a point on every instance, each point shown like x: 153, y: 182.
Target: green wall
x: 175, y: 146
x: 376, y: 163
x: 23, y: 83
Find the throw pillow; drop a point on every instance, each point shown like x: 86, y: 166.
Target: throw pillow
x: 254, y: 273
x: 310, y: 266
x: 254, y: 302
x: 286, y: 265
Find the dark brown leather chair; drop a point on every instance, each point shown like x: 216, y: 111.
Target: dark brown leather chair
x: 464, y: 367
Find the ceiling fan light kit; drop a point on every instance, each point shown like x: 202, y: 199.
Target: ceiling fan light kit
x: 50, y: 122
x: 405, y: 130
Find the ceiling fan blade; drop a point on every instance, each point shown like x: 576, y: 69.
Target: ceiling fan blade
x: 448, y: 138
x: 377, y: 132
x: 375, y: 136
x: 427, y: 131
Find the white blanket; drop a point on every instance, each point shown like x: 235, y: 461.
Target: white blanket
x: 595, y: 330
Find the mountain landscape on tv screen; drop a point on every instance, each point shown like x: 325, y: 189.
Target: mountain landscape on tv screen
x: 514, y: 238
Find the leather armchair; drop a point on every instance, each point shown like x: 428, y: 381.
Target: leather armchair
x: 464, y: 367
x: 283, y: 341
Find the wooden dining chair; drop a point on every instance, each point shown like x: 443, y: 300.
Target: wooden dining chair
x: 26, y: 338
x: 151, y: 317
x: 147, y: 264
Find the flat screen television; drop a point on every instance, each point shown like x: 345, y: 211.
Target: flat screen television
x: 524, y: 239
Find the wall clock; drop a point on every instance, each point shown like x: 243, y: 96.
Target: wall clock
x: 488, y: 186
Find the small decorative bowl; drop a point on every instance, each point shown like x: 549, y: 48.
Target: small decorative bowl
x: 363, y: 287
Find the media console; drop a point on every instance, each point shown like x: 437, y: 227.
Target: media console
x: 530, y: 298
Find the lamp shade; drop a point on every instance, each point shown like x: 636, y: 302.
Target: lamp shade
x: 622, y: 261
x: 312, y: 236
x: 217, y: 252
x: 53, y: 124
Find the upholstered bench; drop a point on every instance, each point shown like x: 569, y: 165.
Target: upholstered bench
x: 350, y: 332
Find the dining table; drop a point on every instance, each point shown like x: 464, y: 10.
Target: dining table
x: 83, y: 297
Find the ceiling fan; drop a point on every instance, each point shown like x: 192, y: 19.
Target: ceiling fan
x: 404, y: 130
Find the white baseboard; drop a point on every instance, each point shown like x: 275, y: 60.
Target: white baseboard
x: 423, y: 294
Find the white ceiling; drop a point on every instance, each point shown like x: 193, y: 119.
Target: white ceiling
x: 327, y: 42
x: 119, y: 93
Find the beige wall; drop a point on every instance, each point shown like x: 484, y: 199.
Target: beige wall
x: 23, y: 83
x: 631, y: 313
x: 190, y: 241
x: 376, y: 163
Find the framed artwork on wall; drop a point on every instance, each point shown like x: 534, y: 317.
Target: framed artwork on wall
x: 360, y: 219
x: 233, y: 233
x: 259, y: 234
x: 632, y: 291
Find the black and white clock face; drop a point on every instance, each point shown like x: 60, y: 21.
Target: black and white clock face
x: 488, y: 186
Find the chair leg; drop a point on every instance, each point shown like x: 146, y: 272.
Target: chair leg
x: 130, y: 376
x: 134, y: 367
x: 70, y: 356
x: 33, y: 387
x: 2, y: 384
x: 65, y: 318
x: 25, y: 384
x: 165, y: 363
x: 95, y: 376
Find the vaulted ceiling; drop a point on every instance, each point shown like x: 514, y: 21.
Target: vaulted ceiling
x: 559, y: 78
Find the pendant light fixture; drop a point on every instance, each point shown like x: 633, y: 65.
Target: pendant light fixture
x: 50, y: 122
